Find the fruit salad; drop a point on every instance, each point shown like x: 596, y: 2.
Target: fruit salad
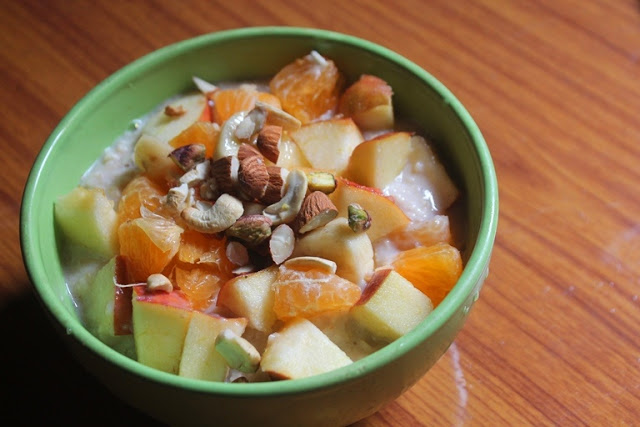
x: 262, y: 231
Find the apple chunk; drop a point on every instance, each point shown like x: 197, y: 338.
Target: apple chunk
x: 328, y: 144
x: 368, y: 102
x: 107, y: 307
x: 160, y: 324
x: 352, y: 252
x: 251, y: 296
x: 376, y: 162
x: 390, y: 306
x: 301, y: 350
x: 87, y: 217
x: 200, y: 359
x: 165, y: 126
x: 385, y: 215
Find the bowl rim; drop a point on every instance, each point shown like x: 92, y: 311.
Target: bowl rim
x: 474, y: 272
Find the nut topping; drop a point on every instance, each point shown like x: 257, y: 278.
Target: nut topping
x: 253, y: 177
x: 220, y: 216
x: 251, y: 229
x: 268, y: 140
x: 321, y: 181
x: 276, y: 116
x: 247, y: 150
x: 359, y: 219
x: 187, y: 156
x: 225, y: 172
x: 159, y: 282
x: 174, y: 110
x: 288, y: 207
x: 274, y: 192
x: 316, y: 210
x: 281, y: 244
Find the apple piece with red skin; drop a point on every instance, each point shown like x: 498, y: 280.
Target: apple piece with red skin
x: 107, y: 307
x: 368, y: 103
x: 328, y: 144
x: 385, y: 215
x: 390, y: 306
x: 376, y: 162
x: 160, y: 324
x: 200, y: 359
x: 251, y: 296
x: 301, y: 350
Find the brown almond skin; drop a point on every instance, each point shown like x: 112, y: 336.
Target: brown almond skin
x: 273, y: 193
x: 247, y: 150
x: 221, y: 171
x: 268, y: 140
x: 253, y: 177
x: 316, y: 203
x: 379, y: 276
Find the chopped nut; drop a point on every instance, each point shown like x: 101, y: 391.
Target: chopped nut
x: 247, y: 150
x: 209, y: 189
x: 225, y: 172
x: 174, y: 110
x: 312, y: 263
x: 276, y: 116
x: 273, y: 192
x: 321, y: 181
x: 239, y: 353
x: 244, y: 269
x: 197, y: 174
x: 359, y: 219
x: 222, y: 215
x: 253, y: 177
x: 251, y: 124
x: 159, y: 282
x: 237, y: 253
x: 282, y: 243
x: 204, y: 86
x: 228, y: 143
x: 268, y: 140
x: 176, y: 199
x: 288, y: 207
x: 187, y: 156
x: 316, y: 210
x: 251, y: 229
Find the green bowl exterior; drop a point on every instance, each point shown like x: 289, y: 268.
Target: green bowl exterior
x: 336, y: 398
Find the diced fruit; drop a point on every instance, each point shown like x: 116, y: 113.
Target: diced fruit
x: 376, y: 162
x: 309, y: 292
x: 251, y: 296
x: 435, y: 230
x: 160, y: 325
x: 87, y: 217
x: 309, y: 87
x: 385, y: 215
x: 165, y: 127
x: 200, y: 359
x: 151, y: 155
x: 432, y: 269
x: 352, y: 252
x: 301, y: 350
x: 227, y: 102
x: 200, y: 284
x: 148, y: 244
x: 443, y: 191
x: 328, y: 144
x: 368, y: 102
x: 200, y: 132
x: 139, y: 192
x: 291, y: 157
x: 205, y: 249
x: 107, y: 308
x: 390, y: 306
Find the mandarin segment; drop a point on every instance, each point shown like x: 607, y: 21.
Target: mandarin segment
x: 198, y: 248
x: 434, y: 269
x: 200, y: 132
x: 308, y: 87
x: 200, y: 284
x: 148, y: 245
x: 306, y: 293
x: 139, y: 192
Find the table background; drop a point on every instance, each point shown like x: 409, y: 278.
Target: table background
x: 555, y: 88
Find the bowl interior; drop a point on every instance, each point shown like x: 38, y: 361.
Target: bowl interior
x: 108, y: 110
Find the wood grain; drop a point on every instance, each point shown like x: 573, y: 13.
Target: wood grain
x: 554, y: 87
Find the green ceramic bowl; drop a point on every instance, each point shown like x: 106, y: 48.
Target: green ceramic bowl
x: 336, y: 398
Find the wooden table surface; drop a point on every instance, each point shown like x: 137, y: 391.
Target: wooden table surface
x: 555, y: 88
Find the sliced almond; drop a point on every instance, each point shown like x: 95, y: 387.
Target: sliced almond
x: 281, y: 243
x: 253, y: 177
x: 237, y: 253
x: 316, y: 210
x: 311, y: 263
x: 268, y: 141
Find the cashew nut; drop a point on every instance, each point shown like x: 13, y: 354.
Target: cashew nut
x: 197, y: 174
x: 227, y: 142
x: 288, y: 207
x: 239, y: 353
x: 222, y: 215
x: 159, y: 282
x: 178, y: 198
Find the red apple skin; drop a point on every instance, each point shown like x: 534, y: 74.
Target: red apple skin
x: 122, y: 306
x: 175, y: 298
x: 374, y: 283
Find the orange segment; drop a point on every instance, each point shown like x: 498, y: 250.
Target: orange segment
x: 269, y: 98
x: 205, y: 133
x: 433, y: 269
x: 200, y: 284
x: 139, y: 192
x: 301, y: 293
x: 309, y: 87
x: 148, y: 245
x: 428, y: 233
x: 198, y: 248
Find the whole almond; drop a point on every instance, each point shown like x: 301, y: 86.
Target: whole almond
x: 253, y: 177
x: 268, y: 140
x: 247, y: 150
x: 273, y: 193
x: 225, y: 172
x: 316, y: 210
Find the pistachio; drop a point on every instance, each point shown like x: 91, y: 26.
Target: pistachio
x: 359, y: 219
x: 187, y: 156
x: 251, y: 229
x: 220, y: 216
x: 288, y: 207
x: 239, y: 353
